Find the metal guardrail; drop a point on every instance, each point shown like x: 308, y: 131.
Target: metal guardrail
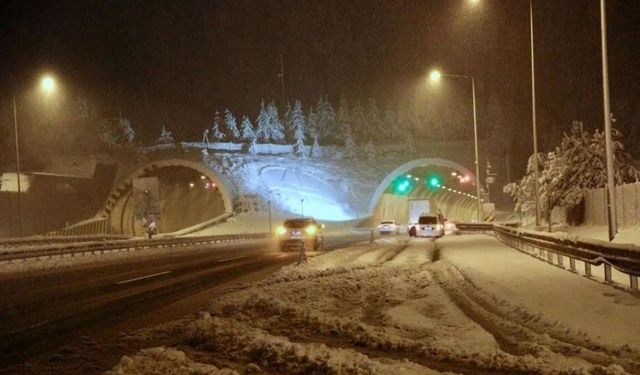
x: 623, y: 259
x: 474, y: 227
x: 92, y: 226
x: 49, y: 240
x: 79, y: 248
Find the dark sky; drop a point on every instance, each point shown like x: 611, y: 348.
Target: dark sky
x: 176, y: 62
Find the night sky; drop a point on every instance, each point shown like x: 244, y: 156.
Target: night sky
x: 174, y: 63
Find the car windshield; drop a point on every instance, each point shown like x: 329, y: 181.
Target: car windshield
x: 297, y: 224
x: 428, y: 220
x: 386, y: 222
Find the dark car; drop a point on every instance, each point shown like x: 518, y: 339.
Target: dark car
x: 294, y: 233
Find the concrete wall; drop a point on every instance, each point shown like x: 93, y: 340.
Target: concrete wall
x: 627, y: 205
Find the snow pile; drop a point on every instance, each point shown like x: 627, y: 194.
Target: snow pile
x: 388, y: 308
x: 165, y: 361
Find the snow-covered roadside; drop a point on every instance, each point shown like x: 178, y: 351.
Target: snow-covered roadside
x: 605, y: 314
x: 388, y: 309
x: 116, y: 255
x: 601, y: 232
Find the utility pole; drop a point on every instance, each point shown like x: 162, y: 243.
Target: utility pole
x: 533, y: 110
x: 281, y: 75
x: 270, y: 228
x: 475, y: 142
x: 611, y: 188
x: 15, y: 126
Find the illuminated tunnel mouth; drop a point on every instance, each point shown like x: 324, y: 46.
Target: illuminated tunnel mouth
x: 448, y: 186
x: 187, y: 193
x: 301, y: 193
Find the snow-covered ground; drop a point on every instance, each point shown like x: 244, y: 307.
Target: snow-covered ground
x: 463, y: 304
x: 601, y: 232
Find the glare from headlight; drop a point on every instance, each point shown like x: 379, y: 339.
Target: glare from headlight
x: 281, y: 230
x: 311, y: 229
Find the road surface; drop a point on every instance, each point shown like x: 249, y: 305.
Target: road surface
x: 44, y: 310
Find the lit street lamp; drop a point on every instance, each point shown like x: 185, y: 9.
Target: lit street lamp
x: 436, y: 76
x: 48, y: 85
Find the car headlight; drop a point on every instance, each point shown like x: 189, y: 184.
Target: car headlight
x: 281, y: 230
x: 311, y: 229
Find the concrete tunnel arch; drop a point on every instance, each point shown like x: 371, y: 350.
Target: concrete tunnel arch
x: 384, y: 184
x: 125, y: 186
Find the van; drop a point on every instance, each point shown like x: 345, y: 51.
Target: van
x: 430, y: 225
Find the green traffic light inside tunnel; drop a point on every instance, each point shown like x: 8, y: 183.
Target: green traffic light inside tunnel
x: 402, y: 185
x: 433, y: 182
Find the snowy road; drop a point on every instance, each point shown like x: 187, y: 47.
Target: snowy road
x: 45, y: 309
x: 463, y: 304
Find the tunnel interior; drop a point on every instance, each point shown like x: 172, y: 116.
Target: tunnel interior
x: 178, y: 196
x: 450, y: 190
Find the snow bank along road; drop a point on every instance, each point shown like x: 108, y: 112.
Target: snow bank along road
x: 44, y: 309
x: 463, y: 304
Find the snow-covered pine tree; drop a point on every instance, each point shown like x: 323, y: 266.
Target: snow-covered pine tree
x: 231, y: 126
x: 312, y: 124
x: 82, y: 107
x: 326, y: 123
x: 262, y: 123
x: 316, y: 151
x: 252, y: 146
x: 275, y: 130
x: 215, y: 134
x: 369, y: 150
x: 248, y: 134
x: 359, y: 123
x: 288, y: 125
x: 392, y: 132
x: 577, y: 164
x: 116, y: 132
x: 377, y: 128
x: 410, y: 145
x: 343, y: 121
x: 298, y: 127
x: 349, y: 145
x: 165, y: 136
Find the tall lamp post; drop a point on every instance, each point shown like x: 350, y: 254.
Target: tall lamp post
x: 611, y: 188
x: 48, y: 85
x: 533, y: 114
x: 436, y: 76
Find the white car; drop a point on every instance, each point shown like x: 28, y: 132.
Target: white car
x: 430, y: 225
x: 388, y: 226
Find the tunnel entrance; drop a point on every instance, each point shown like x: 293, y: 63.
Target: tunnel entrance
x: 447, y: 186
x: 178, y: 195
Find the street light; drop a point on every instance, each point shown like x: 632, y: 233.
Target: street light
x: 436, y: 76
x: 533, y: 119
x: 48, y: 85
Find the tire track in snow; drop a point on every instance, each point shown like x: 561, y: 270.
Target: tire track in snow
x: 520, y: 333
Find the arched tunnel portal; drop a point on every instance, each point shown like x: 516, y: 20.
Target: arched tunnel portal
x: 181, y: 193
x: 449, y: 187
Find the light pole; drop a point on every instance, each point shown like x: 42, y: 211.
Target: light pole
x: 436, y: 76
x: 48, y: 85
x: 533, y: 113
x: 611, y: 188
